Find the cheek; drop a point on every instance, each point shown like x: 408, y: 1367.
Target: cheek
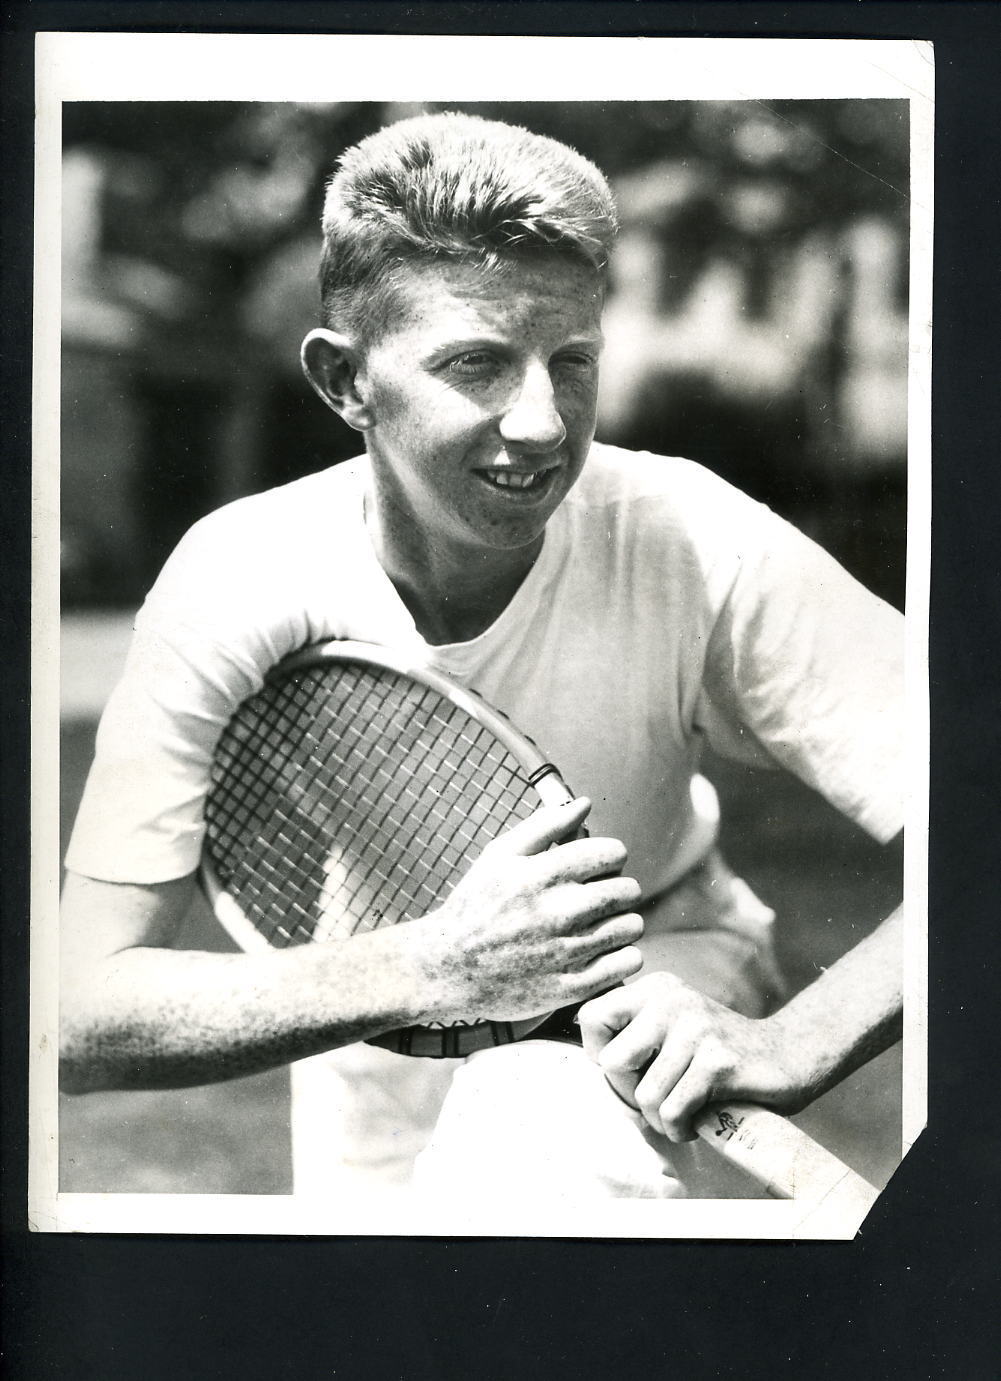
x: 391, y: 403
x: 429, y: 412
x: 578, y: 404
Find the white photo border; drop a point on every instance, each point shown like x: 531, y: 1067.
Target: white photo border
x: 110, y: 67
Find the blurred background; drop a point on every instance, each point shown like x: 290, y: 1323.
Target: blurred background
x: 757, y: 322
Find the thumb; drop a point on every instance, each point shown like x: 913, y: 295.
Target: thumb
x: 544, y: 827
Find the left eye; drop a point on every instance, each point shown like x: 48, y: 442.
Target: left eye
x: 473, y: 362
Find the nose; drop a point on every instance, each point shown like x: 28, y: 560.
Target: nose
x: 531, y: 421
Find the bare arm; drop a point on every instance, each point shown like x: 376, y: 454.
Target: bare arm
x: 529, y: 928
x: 136, y: 1014
x: 694, y: 1051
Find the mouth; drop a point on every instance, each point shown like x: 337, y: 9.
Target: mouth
x: 519, y: 481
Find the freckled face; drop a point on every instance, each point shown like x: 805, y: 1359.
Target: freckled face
x: 483, y: 393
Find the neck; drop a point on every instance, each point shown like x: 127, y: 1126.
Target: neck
x: 453, y: 593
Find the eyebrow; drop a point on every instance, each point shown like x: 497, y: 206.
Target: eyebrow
x: 487, y: 340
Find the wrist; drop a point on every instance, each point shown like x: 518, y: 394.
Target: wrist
x: 805, y: 1051
x: 373, y: 982
x: 415, y: 964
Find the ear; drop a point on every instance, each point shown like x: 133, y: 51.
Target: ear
x: 330, y: 363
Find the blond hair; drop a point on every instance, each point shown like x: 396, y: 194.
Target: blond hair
x: 452, y: 188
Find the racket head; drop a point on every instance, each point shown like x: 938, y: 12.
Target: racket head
x: 353, y: 791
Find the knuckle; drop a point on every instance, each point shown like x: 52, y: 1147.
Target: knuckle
x: 661, y: 985
x: 720, y: 1058
x: 567, y: 914
x: 574, y: 986
x: 690, y: 1027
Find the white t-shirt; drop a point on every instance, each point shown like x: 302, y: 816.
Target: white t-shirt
x: 665, y: 608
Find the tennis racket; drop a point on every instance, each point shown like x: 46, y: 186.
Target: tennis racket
x: 778, y: 1155
x: 353, y: 791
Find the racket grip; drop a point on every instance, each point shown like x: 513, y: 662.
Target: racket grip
x: 777, y: 1155
x: 786, y: 1162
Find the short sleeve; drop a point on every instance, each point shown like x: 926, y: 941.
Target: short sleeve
x: 805, y: 667
x: 201, y: 646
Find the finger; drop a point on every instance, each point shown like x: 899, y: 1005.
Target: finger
x: 580, y: 908
x: 624, y: 928
x: 634, y: 1047
x: 584, y: 860
x: 626, y: 1057
x: 603, y: 972
x: 604, y: 1017
x: 655, y: 995
x: 659, y: 1082
x: 689, y: 1096
x: 544, y: 827
x: 625, y: 1086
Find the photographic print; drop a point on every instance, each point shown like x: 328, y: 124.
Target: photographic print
x: 476, y: 520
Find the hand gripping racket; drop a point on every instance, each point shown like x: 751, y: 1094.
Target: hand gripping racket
x: 353, y: 791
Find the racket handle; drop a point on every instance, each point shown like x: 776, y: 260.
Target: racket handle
x: 553, y: 791
x: 782, y: 1158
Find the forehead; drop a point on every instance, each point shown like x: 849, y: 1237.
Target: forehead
x: 547, y: 293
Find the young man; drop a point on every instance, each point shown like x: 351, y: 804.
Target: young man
x: 621, y: 608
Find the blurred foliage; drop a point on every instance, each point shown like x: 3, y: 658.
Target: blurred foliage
x: 209, y: 190
x: 830, y: 161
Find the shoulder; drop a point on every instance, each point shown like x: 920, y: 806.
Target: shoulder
x: 616, y: 475
x: 664, y: 496
x: 320, y: 498
x: 263, y: 529
x: 251, y: 552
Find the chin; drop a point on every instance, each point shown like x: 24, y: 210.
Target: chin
x: 512, y: 537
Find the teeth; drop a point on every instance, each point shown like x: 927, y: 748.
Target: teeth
x: 506, y: 479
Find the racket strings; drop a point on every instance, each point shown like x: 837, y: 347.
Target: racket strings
x: 346, y: 797
x: 385, y: 836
